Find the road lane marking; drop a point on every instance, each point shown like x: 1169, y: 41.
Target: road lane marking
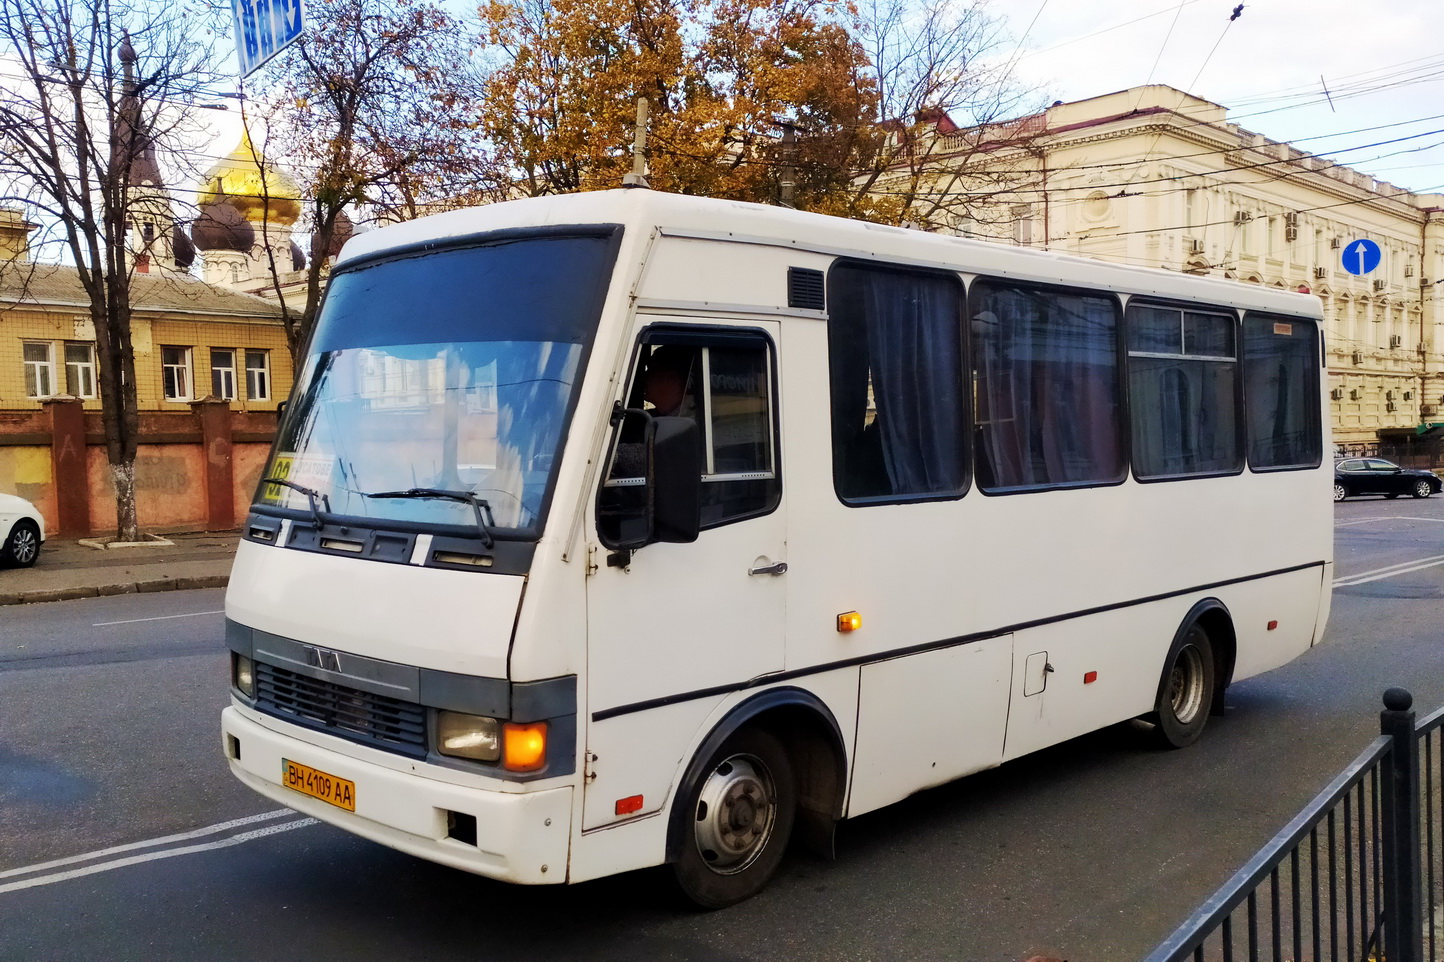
x: 1345, y: 524
x: 250, y: 836
x: 148, y: 843
x: 1379, y: 574
x: 136, y: 621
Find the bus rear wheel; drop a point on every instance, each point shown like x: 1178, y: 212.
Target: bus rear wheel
x: 737, y: 817
x: 1186, y: 692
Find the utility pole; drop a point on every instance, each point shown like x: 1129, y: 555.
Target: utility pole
x: 638, y: 176
x: 788, y: 179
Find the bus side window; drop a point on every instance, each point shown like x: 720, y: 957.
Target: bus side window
x: 723, y: 380
x: 1281, y: 389
x: 895, y: 360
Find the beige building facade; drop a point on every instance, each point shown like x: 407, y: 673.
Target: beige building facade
x: 1154, y: 176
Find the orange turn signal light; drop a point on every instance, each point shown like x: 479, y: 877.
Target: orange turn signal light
x: 849, y: 621
x: 524, y: 747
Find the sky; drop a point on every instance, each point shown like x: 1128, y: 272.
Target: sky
x: 1382, y: 64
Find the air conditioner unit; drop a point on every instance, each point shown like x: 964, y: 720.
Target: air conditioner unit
x: 1395, y: 340
x: 1241, y: 217
x: 1292, y: 219
x: 1391, y: 406
x: 1335, y: 243
x: 1426, y: 410
x: 1354, y: 394
x: 1408, y: 395
x: 1337, y: 394
x: 1388, y: 395
x: 1320, y: 273
x: 1358, y: 357
x: 1380, y: 283
x: 1195, y: 246
x: 1408, y: 270
x: 1291, y: 233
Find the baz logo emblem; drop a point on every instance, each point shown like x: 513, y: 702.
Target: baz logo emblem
x: 322, y: 658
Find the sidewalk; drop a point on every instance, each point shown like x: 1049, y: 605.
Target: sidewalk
x: 67, y: 569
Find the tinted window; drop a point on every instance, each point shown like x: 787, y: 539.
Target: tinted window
x: 1281, y: 392
x: 1046, y: 391
x: 895, y: 357
x: 723, y: 380
x: 1182, y: 391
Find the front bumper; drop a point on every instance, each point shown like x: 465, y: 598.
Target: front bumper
x: 520, y: 837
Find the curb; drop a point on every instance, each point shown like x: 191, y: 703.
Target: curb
x: 123, y: 588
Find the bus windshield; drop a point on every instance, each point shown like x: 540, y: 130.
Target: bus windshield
x: 439, y: 387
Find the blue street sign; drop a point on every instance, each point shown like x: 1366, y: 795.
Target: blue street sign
x: 263, y: 29
x: 1361, y: 256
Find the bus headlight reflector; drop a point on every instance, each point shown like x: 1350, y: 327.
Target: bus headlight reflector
x: 243, y: 675
x: 468, y: 736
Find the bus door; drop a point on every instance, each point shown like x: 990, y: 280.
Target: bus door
x: 669, y: 622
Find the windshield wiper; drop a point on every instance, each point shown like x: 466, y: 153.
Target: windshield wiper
x: 483, y: 525
x: 311, y: 495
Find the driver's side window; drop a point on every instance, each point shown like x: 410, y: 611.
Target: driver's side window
x: 724, y: 380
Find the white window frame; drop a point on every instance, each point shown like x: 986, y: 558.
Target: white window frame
x: 80, y: 375
x: 258, y: 379
x: 227, y: 390
x: 177, y: 379
x: 39, y: 375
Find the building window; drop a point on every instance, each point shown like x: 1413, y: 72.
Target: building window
x: 258, y: 375
x: 39, y: 369
x: 80, y: 370
x: 176, y: 373
x: 223, y: 373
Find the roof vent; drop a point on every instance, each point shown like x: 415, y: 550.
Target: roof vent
x: 805, y: 289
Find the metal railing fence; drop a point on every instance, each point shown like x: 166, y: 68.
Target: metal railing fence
x: 1356, y: 876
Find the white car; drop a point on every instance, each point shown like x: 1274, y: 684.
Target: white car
x: 22, y: 530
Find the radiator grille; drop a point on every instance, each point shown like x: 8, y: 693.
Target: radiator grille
x: 358, y: 716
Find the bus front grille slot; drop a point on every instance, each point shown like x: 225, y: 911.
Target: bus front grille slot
x: 358, y: 716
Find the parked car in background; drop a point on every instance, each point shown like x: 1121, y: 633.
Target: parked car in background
x: 22, y: 531
x: 1376, y: 476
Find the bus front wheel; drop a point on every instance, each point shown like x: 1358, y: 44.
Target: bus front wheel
x: 737, y: 817
x: 1186, y: 692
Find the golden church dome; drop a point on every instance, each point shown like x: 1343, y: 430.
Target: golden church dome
x: 238, y: 180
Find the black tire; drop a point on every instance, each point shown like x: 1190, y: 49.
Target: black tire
x: 1185, y: 692
x: 1340, y: 492
x: 736, y: 820
x: 22, y: 547
x: 1422, y: 489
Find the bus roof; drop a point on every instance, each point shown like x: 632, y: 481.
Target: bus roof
x: 641, y: 211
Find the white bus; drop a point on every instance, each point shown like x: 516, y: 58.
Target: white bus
x: 628, y: 529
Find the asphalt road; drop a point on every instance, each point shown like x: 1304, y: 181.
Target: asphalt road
x: 1091, y: 851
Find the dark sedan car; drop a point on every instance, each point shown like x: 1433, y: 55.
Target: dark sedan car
x: 1377, y: 476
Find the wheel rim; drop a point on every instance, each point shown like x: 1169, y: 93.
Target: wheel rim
x: 1185, y: 685
x: 1339, y: 492
x: 1423, y: 490
x: 736, y: 814
x: 24, y: 544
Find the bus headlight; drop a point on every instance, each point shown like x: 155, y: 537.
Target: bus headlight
x: 468, y: 736
x: 243, y: 675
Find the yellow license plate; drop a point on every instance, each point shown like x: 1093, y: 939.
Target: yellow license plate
x: 317, y: 784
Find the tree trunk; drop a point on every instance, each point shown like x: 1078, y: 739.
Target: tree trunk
x: 123, y: 477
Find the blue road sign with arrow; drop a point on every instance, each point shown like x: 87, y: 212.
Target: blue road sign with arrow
x: 1361, y: 256
x: 263, y: 29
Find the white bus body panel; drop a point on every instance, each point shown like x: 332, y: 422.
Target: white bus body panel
x: 447, y: 620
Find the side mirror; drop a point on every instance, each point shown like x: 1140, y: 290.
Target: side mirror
x: 674, y: 478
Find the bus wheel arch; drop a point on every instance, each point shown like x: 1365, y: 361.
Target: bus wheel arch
x: 1196, y: 672
x: 800, y: 728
